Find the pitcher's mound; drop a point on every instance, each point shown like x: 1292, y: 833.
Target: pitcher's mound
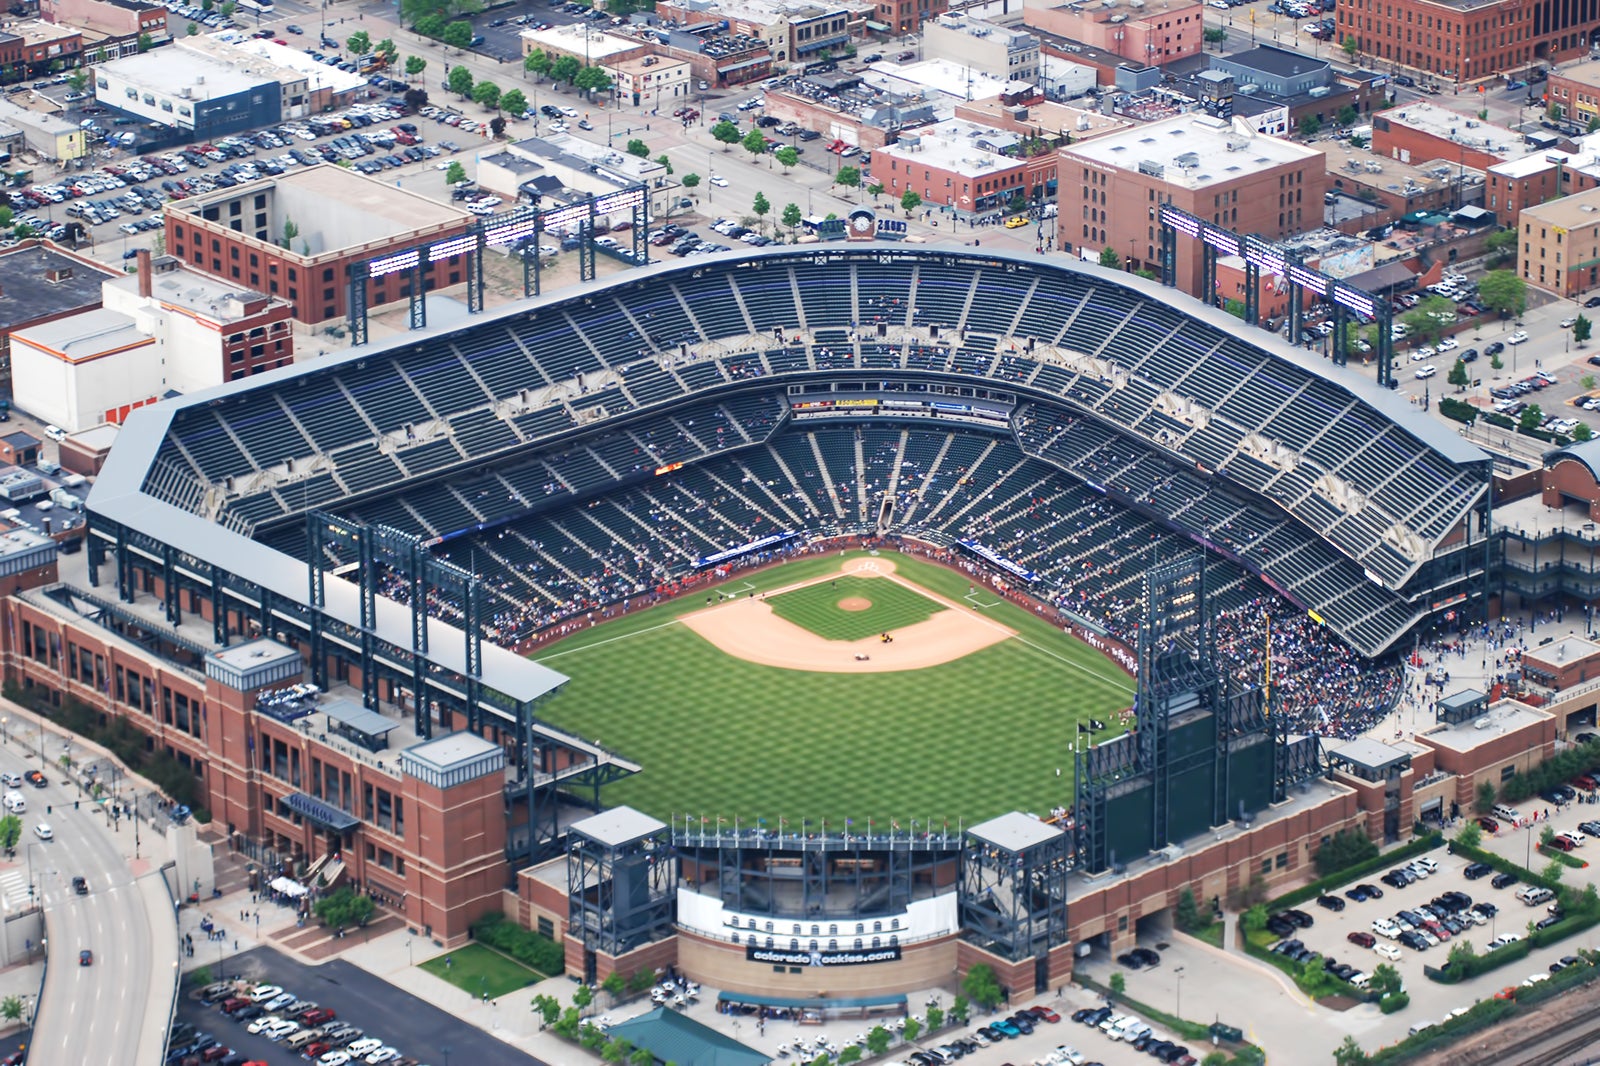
x: 854, y: 603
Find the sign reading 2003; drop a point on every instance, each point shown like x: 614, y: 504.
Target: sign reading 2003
x: 780, y: 957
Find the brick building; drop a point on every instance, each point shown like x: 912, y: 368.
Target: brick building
x: 1154, y: 34
x: 1573, y: 91
x: 904, y: 16
x: 339, y: 217
x: 1559, y: 249
x: 963, y: 167
x: 1420, y: 131
x: 1223, y: 172
x: 110, y: 26
x: 42, y: 283
x: 1465, y: 40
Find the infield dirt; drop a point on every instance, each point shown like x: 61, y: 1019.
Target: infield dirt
x: 746, y: 628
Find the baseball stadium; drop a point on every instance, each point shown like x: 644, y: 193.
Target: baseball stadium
x: 911, y: 592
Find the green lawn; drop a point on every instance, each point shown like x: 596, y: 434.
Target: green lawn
x: 816, y: 607
x: 718, y: 736
x: 477, y: 969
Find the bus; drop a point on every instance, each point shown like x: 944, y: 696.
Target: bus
x: 263, y: 7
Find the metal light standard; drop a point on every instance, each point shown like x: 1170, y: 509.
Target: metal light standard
x: 1177, y: 1006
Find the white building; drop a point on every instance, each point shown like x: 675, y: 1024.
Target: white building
x: 163, y: 329
x: 650, y: 80
x: 1000, y: 51
x: 191, y: 91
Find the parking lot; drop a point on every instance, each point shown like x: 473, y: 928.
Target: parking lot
x: 417, y: 1031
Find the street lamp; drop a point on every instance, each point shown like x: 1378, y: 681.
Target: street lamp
x: 1177, y: 1006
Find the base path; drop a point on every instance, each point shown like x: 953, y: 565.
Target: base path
x: 746, y: 628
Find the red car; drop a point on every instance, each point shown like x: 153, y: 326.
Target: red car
x: 317, y: 1016
x: 1559, y: 843
x: 314, y: 1050
x: 1362, y: 940
x: 1585, y: 782
x: 1044, y: 1014
x: 215, y: 1052
x: 1488, y: 825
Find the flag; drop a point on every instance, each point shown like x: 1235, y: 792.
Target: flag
x: 703, y: 819
x: 895, y: 824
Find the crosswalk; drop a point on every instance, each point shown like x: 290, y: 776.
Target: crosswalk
x: 14, y: 889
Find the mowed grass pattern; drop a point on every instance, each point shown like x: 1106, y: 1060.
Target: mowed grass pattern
x: 719, y: 736
x: 816, y: 607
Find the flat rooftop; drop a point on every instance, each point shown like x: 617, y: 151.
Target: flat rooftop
x: 954, y: 80
x: 272, y: 60
x: 1575, y: 211
x: 1561, y: 652
x: 1279, y: 62
x: 253, y: 654
x: 1048, y: 117
x: 1502, y: 718
x: 1193, y: 151
x: 1014, y: 37
x: 17, y: 541
x: 450, y: 750
x: 1368, y: 754
x: 1584, y: 72
x: 36, y: 31
x: 15, y: 114
x: 970, y: 149
x: 78, y: 337
x: 39, y: 281
x: 204, y: 294
x: 1462, y: 129
x: 1015, y: 831
x: 618, y: 825
x: 336, y: 207
x: 581, y: 39
x: 170, y: 70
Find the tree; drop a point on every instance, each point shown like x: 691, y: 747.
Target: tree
x: 1581, y: 329
x: 981, y: 987
x: 1119, y: 984
x: 1503, y: 292
x: 961, y: 1009
x: 1385, y: 979
x: 430, y: 26
x: 192, y: 31
x: 565, y: 69
x: 228, y: 8
x: 1110, y: 259
x: 343, y: 907
x: 791, y: 217
x: 386, y: 51
x: 726, y: 134
x: 616, y: 1051
x: 78, y: 80
x: 935, y: 1018
x: 761, y: 205
x: 1351, y: 46
x: 641, y: 980
x: 458, y: 34
x: 591, y: 80
x: 1483, y: 800
x: 359, y: 43
x: 786, y: 156
x: 1458, y: 375
x: 415, y: 65
x: 755, y: 142
x: 567, y: 1025
x: 459, y: 81
x: 1310, y: 126
x: 1470, y: 834
x: 291, y: 230
x: 10, y: 832
x: 878, y: 1040
x: 582, y: 996
x: 487, y: 93
x: 1496, y: 363
x: 614, y: 985
x: 200, y: 975
x: 691, y: 181
x: 639, y: 148
x: 1349, y: 1053
x: 1501, y: 245
x: 642, y: 1057
x: 1553, y: 872
x: 1345, y: 848
x: 1188, y: 916
x: 11, y: 1008
x: 850, y: 178
x: 537, y: 62
x: 1348, y: 115
x: 1594, y: 124
x: 455, y: 173
x: 548, y: 1008
x: 512, y: 102
x: 911, y: 1030
x: 1583, y: 432
x: 850, y: 1054
x: 1216, y: 35
x: 875, y: 190
x: 146, y: 42
x: 5, y: 217
x: 1255, y: 919
x: 591, y: 1037
x: 1529, y: 421
x: 665, y: 162
x: 909, y: 200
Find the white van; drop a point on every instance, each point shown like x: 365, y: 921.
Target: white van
x: 1426, y: 863
x: 15, y: 803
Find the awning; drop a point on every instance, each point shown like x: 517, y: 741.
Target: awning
x: 325, y: 815
x: 357, y: 718
x: 286, y: 887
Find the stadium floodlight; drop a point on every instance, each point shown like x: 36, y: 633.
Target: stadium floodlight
x: 389, y: 264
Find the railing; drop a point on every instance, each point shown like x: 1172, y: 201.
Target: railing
x: 822, y: 841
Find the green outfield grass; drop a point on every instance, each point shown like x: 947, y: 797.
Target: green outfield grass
x: 478, y: 969
x: 816, y: 607
x: 719, y: 736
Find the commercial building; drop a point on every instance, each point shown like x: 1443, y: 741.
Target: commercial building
x: 563, y: 162
x: 1010, y: 53
x: 305, y: 85
x: 1465, y: 40
x: 1421, y: 131
x: 110, y: 26
x: 338, y: 217
x: 584, y: 42
x: 41, y: 46
x: 45, y: 134
x: 795, y: 31
x: 1573, y: 91
x: 1151, y: 33
x: 1395, y: 189
x: 968, y: 169
x: 863, y: 109
x: 1221, y: 171
x: 193, y: 94
x: 1559, y: 250
x: 162, y: 329
x: 650, y: 80
x: 904, y: 16
x: 41, y: 283
x: 1540, y: 176
x: 1039, y: 116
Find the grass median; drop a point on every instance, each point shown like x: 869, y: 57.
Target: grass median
x: 480, y: 970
